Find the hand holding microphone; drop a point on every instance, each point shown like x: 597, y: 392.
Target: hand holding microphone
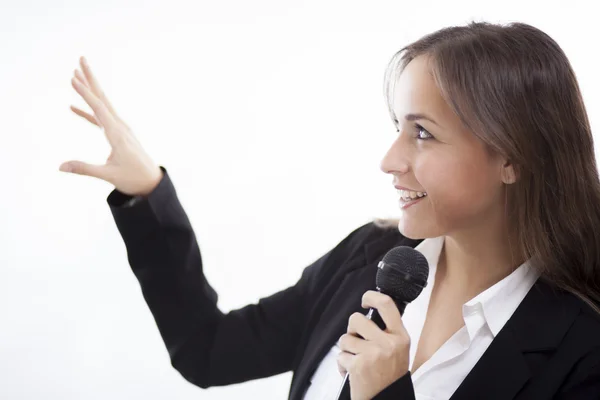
x: 382, y: 357
x: 375, y: 349
x: 129, y: 168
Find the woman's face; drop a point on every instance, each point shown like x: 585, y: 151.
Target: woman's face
x: 443, y: 158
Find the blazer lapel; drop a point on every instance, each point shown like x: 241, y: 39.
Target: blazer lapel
x: 359, y: 276
x: 499, y: 373
x: 537, y: 325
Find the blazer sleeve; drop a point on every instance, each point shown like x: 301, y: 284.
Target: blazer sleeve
x: 209, y: 347
x: 402, y: 388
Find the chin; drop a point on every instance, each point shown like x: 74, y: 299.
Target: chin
x: 409, y: 233
x: 415, y: 231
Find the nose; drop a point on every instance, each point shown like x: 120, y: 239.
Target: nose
x: 395, y: 159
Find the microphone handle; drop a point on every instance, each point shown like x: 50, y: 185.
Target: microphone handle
x: 373, y: 315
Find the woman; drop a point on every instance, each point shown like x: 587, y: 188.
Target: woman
x: 494, y: 161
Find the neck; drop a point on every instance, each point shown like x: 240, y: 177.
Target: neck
x: 472, y: 261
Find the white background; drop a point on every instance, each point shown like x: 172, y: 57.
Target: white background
x: 269, y: 116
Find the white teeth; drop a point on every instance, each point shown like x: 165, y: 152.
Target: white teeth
x: 409, y: 194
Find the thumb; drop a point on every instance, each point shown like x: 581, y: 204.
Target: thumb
x: 81, y: 168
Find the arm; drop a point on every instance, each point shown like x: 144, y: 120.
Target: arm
x: 208, y: 347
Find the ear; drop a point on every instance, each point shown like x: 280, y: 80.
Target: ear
x: 507, y: 173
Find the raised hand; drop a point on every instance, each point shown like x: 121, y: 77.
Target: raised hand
x: 128, y: 167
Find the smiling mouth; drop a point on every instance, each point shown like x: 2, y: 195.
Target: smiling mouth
x: 408, y: 195
x: 406, y: 198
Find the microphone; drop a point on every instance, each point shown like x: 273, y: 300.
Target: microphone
x: 402, y: 275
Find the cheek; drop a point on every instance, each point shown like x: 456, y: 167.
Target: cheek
x: 460, y: 189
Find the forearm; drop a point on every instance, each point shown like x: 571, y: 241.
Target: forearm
x: 165, y: 258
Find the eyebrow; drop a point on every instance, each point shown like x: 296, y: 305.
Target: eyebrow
x: 415, y: 117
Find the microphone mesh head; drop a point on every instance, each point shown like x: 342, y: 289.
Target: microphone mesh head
x: 403, y: 273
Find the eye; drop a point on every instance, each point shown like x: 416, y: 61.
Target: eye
x: 421, y: 130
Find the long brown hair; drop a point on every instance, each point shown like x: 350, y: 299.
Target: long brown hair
x: 514, y: 88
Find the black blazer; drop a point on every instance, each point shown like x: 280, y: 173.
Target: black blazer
x: 549, y: 348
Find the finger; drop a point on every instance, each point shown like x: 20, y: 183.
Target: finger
x: 345, y: 361
x: 85, y: 115
x: 94, y: 85
x: 359, y: 324
x: 103, y: 172
x: 387, y: 309
x: 342, y: 370
x: 79, y: 75
x: 352, y: 344
x: 104, y: 117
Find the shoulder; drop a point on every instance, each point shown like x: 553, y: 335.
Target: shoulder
x: 357, y: 248
x: 588, y: 320
x: 583, y: 378
x: 582, y: 338
x: 348, y: 254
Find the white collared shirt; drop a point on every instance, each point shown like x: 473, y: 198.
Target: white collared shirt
x: 440, y: 376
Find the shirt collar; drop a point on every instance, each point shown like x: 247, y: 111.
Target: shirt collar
x: 495, y: 304
x: 500, y: 301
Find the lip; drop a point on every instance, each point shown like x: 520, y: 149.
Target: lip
x: 406, y: 204
x: 404, y: 188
